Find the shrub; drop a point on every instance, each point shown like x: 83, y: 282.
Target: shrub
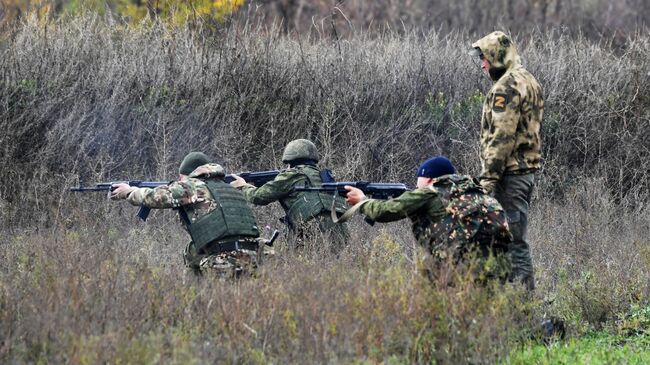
x: 86, y: 98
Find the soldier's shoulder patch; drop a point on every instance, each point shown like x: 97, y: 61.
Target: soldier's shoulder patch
x: 500, y: 102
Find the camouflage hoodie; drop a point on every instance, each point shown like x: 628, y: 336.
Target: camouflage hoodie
x: 512, y: 113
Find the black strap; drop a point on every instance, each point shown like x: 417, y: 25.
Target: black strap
x: 326, y: 176
x: 216, y: 248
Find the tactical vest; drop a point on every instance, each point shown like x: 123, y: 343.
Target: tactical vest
x: 311, y: 204
x: 231, y: 217
x: 472, y: 217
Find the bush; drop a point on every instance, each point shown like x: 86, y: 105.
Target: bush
x: 87, y: 98
x: 90, y: 99
x: 69, y: 300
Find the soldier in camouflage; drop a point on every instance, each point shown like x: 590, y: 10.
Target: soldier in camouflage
x: 305, y: 211
x: 222, y: 226
x: 451, y: 215
x: 510, y: 141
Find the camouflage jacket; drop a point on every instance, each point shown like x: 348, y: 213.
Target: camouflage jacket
x: 422, y: 206
x: 512, y: 114
x: 281, y: 190
x: 452, y: 213
x: 191, y: 191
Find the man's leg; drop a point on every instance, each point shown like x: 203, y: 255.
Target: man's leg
x: 336, y: 233
x: 514, y: 193
x: 192, y: 259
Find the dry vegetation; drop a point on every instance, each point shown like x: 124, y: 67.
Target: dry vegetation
x: 594, y: 18
x: 82, y: 282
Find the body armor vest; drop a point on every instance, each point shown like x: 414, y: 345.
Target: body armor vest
x: 310, y: 204
x: 230, y: 218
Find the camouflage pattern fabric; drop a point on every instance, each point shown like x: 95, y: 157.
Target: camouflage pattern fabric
x: 453, y: 217
x: 512, y: 114
x: 472, y: 217
x: 281, y: 190
x: 194, y: 192
x: 225, y: 265
x: 422, y: 206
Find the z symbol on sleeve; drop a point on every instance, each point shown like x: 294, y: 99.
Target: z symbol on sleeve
x: 500, y: 102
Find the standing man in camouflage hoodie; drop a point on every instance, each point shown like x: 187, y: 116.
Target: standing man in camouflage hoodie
x: 305, y: 211
x: 221, y: 224
x: 510, y: 141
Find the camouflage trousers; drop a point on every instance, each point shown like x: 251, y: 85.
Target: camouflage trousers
x: 514, y: 193
x: 224, y: 265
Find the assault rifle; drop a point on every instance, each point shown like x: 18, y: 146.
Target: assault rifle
x: 374, y: 190
x: 108, y: 186
x: 257, y: 178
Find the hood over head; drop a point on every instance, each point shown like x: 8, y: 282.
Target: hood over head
x: 499, y: 50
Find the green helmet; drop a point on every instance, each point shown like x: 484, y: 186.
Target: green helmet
x: 299, y: 150
x: 192, y: 161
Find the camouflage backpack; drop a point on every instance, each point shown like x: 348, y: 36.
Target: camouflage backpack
x: 473, y: 218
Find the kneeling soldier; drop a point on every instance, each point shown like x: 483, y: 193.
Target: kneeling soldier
x: 302, y: 208
x: 221, y: 224
x: 452, y: 216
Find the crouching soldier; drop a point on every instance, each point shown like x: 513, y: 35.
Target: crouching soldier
x: 452, y: 218
x: 221, y: 225
x: 305, y: 211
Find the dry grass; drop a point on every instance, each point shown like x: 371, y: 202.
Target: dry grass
x: 82, y: 282
x: 91, y: 99
x: 85, y: 297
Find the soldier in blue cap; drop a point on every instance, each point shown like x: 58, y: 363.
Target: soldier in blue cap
x: 452, y: 215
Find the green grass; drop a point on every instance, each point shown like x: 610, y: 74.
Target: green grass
x: 594, y: 348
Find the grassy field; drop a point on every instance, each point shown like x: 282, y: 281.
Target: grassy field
x: 593, y: 348
x: 81, y: 281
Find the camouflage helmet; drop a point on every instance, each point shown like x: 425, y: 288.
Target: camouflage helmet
x: 498, y: 49
x: 300, y: 149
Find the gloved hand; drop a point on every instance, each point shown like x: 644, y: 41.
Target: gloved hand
x: 239, y: 182
x: 121, y: 191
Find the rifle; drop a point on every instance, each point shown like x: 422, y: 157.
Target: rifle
x: 374, y: 190
x: 257, y: 178
x: 108, y: 186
